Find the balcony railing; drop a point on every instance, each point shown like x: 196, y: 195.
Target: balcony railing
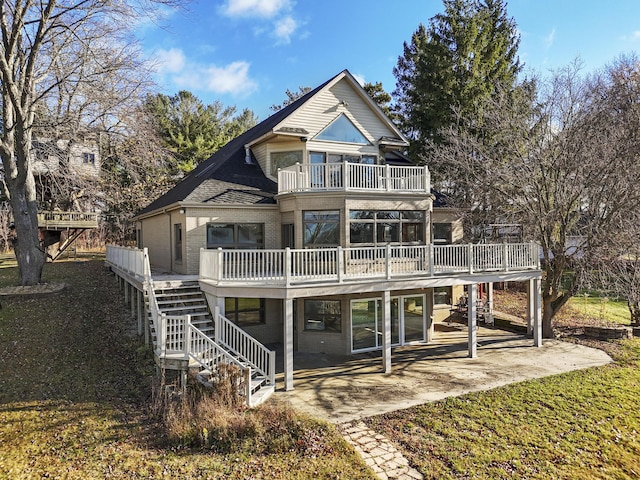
x: 337, y: 265
x: 57, y: 219
x: 353, y: 177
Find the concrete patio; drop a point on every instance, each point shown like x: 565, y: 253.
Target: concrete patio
x: 341, y: 389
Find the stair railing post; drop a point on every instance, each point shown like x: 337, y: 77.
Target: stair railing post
x: 272, y: 367
x: 287, y: 266
x: 247, y: 380
x: 216, y: 323
x: 162, y: 334
x: 186, y: 326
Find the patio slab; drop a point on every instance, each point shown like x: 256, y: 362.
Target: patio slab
x: 346, y: 388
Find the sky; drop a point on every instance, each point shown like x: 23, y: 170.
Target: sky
x: 247, y: 53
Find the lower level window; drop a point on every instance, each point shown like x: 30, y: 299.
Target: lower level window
x: 244, y: 312
x: 324, y: 315
x: 442, y: 296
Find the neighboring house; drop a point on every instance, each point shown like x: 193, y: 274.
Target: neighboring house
x: 313, y: 230
x: 64, y: 156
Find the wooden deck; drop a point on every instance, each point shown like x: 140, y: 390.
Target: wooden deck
x: 58, y: 220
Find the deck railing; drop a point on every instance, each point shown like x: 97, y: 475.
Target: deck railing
x: 177, y: 337
x: 56, y: 219
x: 299, y: 266
x: 133, y: 261
x: 250, y: 351
x: 354, y: 177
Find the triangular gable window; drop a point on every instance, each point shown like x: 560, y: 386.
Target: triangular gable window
x: 342, y: 130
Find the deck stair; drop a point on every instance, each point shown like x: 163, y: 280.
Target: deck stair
x: 182, y: 298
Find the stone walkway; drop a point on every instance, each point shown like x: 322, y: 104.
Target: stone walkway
x: 378, y: 452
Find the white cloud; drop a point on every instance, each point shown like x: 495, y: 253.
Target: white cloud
x: 254, y: 8
x: 359, y: 78
x: 232, y: 79
x: 169, y: 61
x: 549, y: 39
x: 284, y: 28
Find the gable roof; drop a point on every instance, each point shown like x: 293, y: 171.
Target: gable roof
x: 226, y: 177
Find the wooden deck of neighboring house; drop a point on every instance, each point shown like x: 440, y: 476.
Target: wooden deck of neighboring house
x: 52, y: 224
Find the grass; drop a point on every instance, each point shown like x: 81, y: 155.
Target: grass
x: 582, y: 424
x: 75, y: 387
x: 602, y: 308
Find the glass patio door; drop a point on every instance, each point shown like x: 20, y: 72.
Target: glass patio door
x: 407, y: 322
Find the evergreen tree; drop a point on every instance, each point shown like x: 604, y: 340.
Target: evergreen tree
x: 194, y: 131
x: 381, y: 97
x: 452, y: 66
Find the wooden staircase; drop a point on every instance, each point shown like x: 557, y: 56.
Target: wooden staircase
x: 176, y: 298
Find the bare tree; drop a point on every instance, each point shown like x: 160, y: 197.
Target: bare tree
x: 562, y: 160
x: 69, y: 62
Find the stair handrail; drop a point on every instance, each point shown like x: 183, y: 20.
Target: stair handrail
x: 197, y: 346
x: 250, y: 350
x: 154, y: 309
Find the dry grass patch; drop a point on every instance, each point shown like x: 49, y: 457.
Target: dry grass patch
x: 75, y: 395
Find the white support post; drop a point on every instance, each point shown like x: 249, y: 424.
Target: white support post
x: 287, y: 266
x: 139, y: 310
x: 490, y: 298
x: 288, y: 344
x: 216, y: 321
x: 472, y: 324
x: 388, y: 263
x: 134, y: 295
x: 386, y: 331
x: 530, y: 306
x: 432, y: 258
x: 340, y: 264
x: 470, y: 257
x: 537, y: 312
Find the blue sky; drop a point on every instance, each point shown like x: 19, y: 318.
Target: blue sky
x: 248, y: 52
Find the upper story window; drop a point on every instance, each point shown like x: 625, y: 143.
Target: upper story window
x: 342, y: 130
x: 386, y: 226
x: 321, y: 228
x: 284, y: 159
x: 89, y: 158
x: 235, y: 235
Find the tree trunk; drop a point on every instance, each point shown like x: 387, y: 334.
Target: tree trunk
x: 31, y: 258
x: 547, y: 316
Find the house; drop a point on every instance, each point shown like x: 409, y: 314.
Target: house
x: 314, y: 231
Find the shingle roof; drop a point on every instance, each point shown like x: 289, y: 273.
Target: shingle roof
x: 225, y: 177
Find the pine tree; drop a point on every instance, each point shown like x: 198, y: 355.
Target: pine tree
x: 452, y: 65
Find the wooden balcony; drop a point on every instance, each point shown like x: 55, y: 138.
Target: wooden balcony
x: 341, y: 266
x: 56, y: 220
x: 354, y: 177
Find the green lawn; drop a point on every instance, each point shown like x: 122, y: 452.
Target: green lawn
x: 74, y: 385
x: 582, y: 424
x: 602, y: 308
x: 74, y: 391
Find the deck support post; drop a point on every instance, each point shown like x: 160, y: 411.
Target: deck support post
x: 386, y: 331
x: 139, y: 310
x: 288, y: 344
x: 134, y: 295
x: 530, y: 306
x: 490, y: 298
x: 472, y: 323
x: 536, y: 293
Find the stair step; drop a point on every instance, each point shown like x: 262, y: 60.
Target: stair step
x: 202, y: 308
x: 171, y: 294
x: 181, y: 300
